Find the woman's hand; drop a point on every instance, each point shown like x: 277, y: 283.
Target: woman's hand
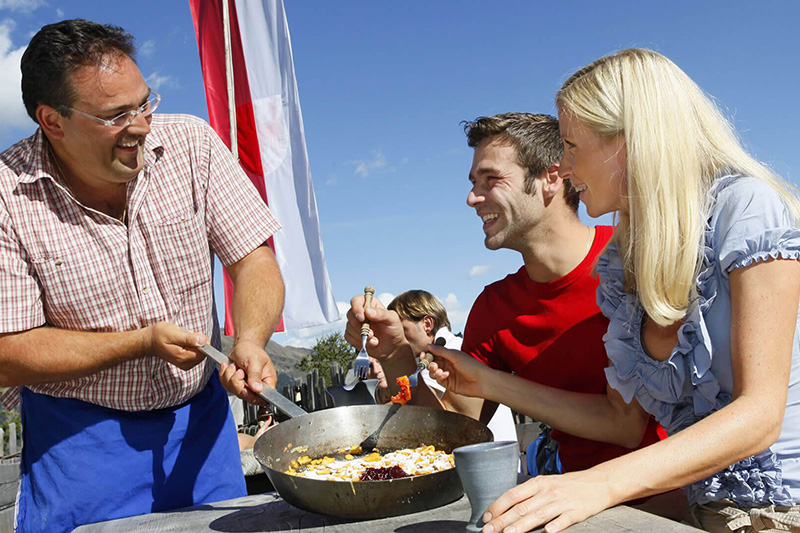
x: 555, y: 501
x: 456, y: 371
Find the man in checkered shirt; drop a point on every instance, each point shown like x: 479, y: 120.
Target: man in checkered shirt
x: 108, y: 219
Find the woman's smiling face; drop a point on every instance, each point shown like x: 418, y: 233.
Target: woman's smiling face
x: 595, y: 165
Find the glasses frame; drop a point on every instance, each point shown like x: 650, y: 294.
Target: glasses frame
x: 132, y: 114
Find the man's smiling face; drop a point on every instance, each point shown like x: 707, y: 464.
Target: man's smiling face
x: 95, y: 153
x: 498, y: 195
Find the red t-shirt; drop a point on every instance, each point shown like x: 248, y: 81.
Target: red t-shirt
x: 550, y: 333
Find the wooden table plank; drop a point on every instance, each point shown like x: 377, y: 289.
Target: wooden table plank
x: 268, y: 512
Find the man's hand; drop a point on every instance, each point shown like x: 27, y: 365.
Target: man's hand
x: 456, y: 371
x: 387, y: 331
x: 250, y: 370
x: 175, y: 345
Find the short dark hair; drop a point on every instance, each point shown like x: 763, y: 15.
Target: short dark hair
x: 57, y: 51
x: 536, y: 138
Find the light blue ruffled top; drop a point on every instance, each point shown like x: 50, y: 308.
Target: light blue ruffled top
x: 748, y: 222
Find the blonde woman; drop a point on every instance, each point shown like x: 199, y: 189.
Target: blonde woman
x: 701, y: 283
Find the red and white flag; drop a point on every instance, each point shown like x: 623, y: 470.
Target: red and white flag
x: 271, y: 143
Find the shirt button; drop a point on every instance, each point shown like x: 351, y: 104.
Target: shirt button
x: 145, y: 290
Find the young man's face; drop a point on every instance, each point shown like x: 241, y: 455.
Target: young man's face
x: 499, y: 198
x: 416, y: 334
x: 97, y: 154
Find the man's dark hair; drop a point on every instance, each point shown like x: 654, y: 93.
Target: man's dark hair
x: 536, y: 139
x: 57, y: 51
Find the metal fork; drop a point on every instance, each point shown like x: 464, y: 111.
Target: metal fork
x: 413, y: 379
x: 361, y: 362
x: 424, y: 360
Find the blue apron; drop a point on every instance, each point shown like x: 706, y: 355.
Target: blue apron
x: 82, y: 463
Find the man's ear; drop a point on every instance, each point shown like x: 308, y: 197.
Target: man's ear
x: 552, y: 182
x: 427, y: 324
x: 50, y: 121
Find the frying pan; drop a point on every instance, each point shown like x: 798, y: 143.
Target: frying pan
x: 385, y: 427
x: 382, y: 427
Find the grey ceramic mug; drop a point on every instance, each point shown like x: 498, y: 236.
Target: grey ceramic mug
x: 486, y: 470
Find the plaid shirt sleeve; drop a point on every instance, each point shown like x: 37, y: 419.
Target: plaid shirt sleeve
x: 238, y: 220
x: 20, y: 294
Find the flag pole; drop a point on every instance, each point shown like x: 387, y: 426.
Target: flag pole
x: 226, y: 23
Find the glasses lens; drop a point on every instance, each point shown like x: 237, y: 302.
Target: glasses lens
x: 120, y: 121
x: 146, y: 109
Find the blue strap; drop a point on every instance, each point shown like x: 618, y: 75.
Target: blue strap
x: 541, y: 457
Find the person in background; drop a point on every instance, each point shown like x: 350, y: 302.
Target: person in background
x: 109, y: 215
x: 701, y: 283
x: 425, y: 322
x: 376, y: 372
x: 542, y: 322
x: 265, y: 421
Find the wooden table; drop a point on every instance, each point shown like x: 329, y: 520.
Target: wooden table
x: 268, y: 512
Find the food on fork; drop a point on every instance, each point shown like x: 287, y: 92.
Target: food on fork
x: 405, y: 391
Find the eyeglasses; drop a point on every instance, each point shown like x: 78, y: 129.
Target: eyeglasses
x: 123, y: 120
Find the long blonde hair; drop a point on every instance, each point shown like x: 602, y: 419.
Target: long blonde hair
x: 677, y: 143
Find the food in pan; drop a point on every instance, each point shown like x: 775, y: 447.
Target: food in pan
x: 383, y: 473
x: 351, y: 465
x: 405, y: 391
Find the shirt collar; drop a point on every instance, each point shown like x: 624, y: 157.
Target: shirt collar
x: 38, y: 164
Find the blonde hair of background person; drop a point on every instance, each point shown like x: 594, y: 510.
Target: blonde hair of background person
x: 659, y: 105
x: 416, y: 304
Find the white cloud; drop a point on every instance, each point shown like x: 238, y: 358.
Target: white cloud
x: 60, y: 13
x: 364, y: 167
x: 378, y: 164
x: 12, y: 111
x: 155, y: 81
x: 148, y: 48
x: 455, y: 312
x: 385, y: 298
x: 22, y: 6
x: 479, y: 270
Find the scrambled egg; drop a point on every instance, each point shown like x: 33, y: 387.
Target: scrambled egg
x: 415, y: 462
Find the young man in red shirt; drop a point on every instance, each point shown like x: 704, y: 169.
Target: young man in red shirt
x: 542, y: 322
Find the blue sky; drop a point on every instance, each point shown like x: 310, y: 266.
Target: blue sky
x: 383, y: 87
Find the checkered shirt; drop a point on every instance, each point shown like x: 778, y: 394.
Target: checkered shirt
x: 67, y: 266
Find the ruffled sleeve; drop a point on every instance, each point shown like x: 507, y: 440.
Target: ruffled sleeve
x: 658, y: 386
x: 751, y: 223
